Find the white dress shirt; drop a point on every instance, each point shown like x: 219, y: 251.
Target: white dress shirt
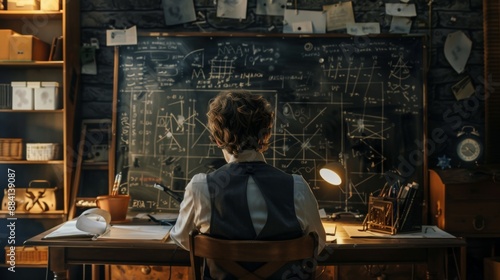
x: 195, y: 209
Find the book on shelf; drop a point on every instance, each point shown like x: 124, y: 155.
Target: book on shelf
x: 56, y: 49
x: 95, y: 223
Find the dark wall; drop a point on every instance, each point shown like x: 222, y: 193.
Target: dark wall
x: 436, y: 20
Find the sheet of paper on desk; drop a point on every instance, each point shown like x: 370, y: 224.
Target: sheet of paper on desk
x: 137, y: 232
x: 68, y: 230
x: 330, y: 230
x: 426, y: 232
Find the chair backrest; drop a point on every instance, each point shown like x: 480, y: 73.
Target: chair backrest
x: 273, y: 254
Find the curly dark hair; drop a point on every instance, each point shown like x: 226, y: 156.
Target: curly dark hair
x: 240, y: 120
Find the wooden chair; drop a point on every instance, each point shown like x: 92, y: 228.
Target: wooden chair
x: 227, y: 254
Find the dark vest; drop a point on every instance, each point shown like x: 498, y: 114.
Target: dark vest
x: 230, y: 217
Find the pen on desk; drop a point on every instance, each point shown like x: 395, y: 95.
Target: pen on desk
x: 116, y: 184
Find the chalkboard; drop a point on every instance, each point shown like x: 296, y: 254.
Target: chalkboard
x: 356, y: 98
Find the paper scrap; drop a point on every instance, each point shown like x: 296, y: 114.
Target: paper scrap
x: 400, y: 10
x: 463, y: 89
x: 117, y: 37
x: 363, y: 28
x: 457, y: 50
x: 236, y: 9
x: 338, y: 15
x: 271, y: 7
x: 88, y: 60
x: 317, y: 18
x: 401, y: 25
x: 302, y: 27
x: 177, y: 12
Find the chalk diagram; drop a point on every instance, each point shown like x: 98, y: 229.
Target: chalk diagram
x: 163, y: 121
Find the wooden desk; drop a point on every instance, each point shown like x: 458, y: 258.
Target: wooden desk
x: 344, y: 251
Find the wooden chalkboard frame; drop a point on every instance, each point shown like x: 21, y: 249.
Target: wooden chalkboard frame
x: 415, y: 158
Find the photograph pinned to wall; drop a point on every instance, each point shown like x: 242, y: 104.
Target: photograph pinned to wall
x: 178, y: 12
x: 236, y: 9
x: 292, y: 16
x: 271, y: 7
x: 400, y: 25
x: 363, y: 28
x: 338, y: 15
x: 457, y: 50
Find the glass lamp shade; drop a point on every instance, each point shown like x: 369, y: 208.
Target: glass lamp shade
x: 333, y: 173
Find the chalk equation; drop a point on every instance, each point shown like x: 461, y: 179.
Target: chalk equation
x: 332, y: 97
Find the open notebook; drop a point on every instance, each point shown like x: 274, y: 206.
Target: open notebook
x: 95, y: 223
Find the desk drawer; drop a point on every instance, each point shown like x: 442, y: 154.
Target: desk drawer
x: 464, y: 204
x: 148, y: 272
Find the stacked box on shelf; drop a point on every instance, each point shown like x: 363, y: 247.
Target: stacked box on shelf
x: 49, y: 5
x: 5, y: 43
x: 23, y: 5
x: 22, y: 95
x: 28, y: 48
x: 47, y: 96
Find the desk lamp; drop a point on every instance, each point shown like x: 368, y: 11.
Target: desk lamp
x: 336, y: 174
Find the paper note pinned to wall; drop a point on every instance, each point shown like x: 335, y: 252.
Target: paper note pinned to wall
x: 236, y: 9
x: 318, y: 20
x: 401, y: 25
x: 363, y: 28
x: 338, y: 15
x: 271, y: 7
x: 117, y: 37
x: 302, y: 27
x: 400, y: 10
x: 177, y: 12
x: 457, y: 50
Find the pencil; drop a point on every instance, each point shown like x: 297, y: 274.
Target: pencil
x: 116, y: 184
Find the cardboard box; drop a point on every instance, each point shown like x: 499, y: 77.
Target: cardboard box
x: 5, y: 42
x: 492, y: 268
x: 23, y: 5
x: 49, y: 5
x: 22, y: 96
x: 47, y: 96
x: 27, y: 48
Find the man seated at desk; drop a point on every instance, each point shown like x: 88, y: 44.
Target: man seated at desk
x: 246, y: 198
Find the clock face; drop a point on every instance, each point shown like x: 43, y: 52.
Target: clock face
x: 469, y: 149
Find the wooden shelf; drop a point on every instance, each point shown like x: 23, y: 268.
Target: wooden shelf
x: 30, y: 111
x: 36, y: 64
x: 57, y: 214
x: 25, y: 265
x: 20, y: 14
x: 32, y: 161
x: 101, y: 165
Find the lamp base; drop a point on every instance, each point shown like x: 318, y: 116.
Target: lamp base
x: 338, y: 215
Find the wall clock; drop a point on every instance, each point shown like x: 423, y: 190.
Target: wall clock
x: 469, y: 145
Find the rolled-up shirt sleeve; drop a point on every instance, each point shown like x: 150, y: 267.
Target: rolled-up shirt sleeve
x: 191, y: 216
x: 307, y: 210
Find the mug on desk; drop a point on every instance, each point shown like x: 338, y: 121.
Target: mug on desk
x: 116, y: 205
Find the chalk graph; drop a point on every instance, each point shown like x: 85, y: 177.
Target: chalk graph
x: 317, y: 91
